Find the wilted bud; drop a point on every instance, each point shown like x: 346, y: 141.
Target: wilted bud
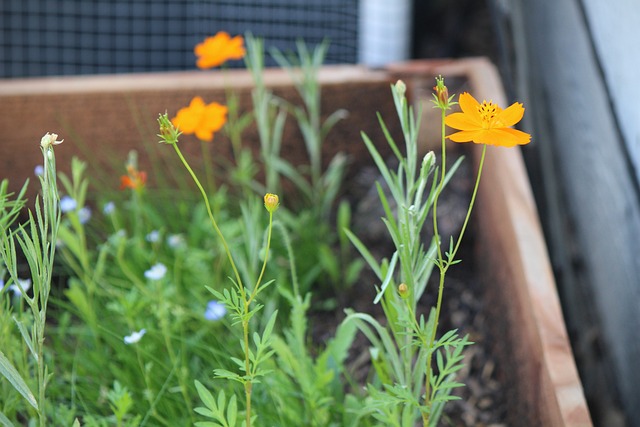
x: 403, y: 290
x: 49, y: 139
x: 271, y: 202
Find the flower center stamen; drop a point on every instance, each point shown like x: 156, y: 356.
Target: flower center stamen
x: 488, y: 111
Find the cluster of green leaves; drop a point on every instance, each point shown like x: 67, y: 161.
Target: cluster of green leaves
x: 36, y: 240
x: 402, y: 349
x: 316, y: 189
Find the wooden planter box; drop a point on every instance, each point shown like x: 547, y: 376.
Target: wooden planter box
x: 115, y: 114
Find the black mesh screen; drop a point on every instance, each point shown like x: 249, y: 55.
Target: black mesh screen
x: 60, y: 37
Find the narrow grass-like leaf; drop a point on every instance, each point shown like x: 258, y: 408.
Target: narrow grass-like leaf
x: 364, y: 251
x: 4, y: 421
x: 10, y: 373
x: 26, y: 337
x: 388, y: 278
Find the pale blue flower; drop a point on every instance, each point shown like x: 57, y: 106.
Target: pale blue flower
x: 26, y: 285
x: 215, y: 311
x: 68, y: 204
x: 153, y: 236
x: 38, y: 170
x: 156, y: 272
x: 1, y: 284
x: 135, y: 336
x: 175, y: 241
x: 84, y: 214
x: 109, y: 208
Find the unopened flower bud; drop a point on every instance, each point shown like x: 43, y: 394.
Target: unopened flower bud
x: 168, y: 132
x: 401, y: 87
x: 442, y: 99
x: 271, y: 202
x: 403, y: 290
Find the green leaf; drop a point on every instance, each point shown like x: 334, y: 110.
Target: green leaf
x: 388, y: 278
x: 4, y: 421
x: 364, y: 251
x: 207, y: 424
x: 232, y: 411
x: 10, y: 373
x: 26, y: 336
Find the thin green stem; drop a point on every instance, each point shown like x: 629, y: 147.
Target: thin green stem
x: 442, y: 268
x: 471, y: 203
x: 443, y: 265
x: 208, y: 167
x: 248, y: 385
x: 292, y: 260
x: 211, y: 217
x: 254, y: 292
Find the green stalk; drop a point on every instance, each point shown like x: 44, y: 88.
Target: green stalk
x: 443, y: 265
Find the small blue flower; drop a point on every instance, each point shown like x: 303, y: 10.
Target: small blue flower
x: 156, y: 272
x: 109, y: 208
x: 135, y: 336
x: 175, y: 241
x: 215, y: 311
x: 153, y: 236
x: 68, y: 204
x: 38, y: 170
x: 84, y: 214
x: 26, y: 285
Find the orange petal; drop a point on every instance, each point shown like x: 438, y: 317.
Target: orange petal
x: 515, y: 137
x: 465, y: 135
x: 462, y: 121
x: 511, y: 115
x: 186, y: 121
x: 204, y: 134
x: 469, y: 105
x: 504, y: 137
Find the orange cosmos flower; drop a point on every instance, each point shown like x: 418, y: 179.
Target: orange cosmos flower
x: 216, y: 50
x: 134, y: 179
x: 201, y: 119
x: 487, y: 123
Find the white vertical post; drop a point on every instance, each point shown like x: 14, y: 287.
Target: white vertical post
x: 384, y: 31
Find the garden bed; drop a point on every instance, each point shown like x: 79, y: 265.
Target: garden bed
x: 525, y: 346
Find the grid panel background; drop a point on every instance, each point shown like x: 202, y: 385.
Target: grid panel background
x: 63, y: 37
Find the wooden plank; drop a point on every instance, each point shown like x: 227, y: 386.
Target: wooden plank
x: 103, y: 117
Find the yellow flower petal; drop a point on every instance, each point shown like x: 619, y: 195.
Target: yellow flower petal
x: 465, y: 135
x: 511, y: 115
x: 216, y: 50
x: 201, y: 119
x: 469, y: 107
x: 486, y: 123
x: 461, y: 121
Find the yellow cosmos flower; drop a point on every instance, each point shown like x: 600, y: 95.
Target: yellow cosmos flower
x: 216, y: 50
x: 487, y: 123
x: 201, y: 119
